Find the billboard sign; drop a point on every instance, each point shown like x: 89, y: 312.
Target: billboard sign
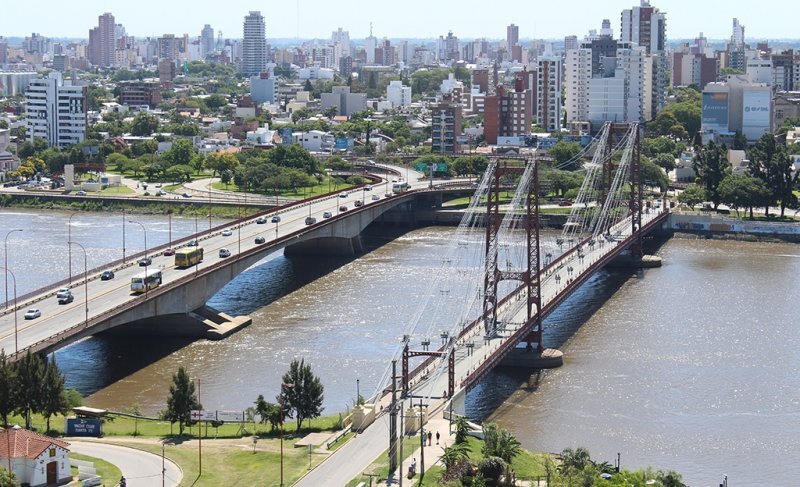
x: 230, y: 416
x: 756, y: 109
x: 715, y: 112
x: 198, y: 415
x: 343, y: 143
x: 84, y: 427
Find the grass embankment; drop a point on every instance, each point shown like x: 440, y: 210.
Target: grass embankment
x: 109, y: 473
x: 527, y: 465
x: 117, y: 191
x: 228, y: 451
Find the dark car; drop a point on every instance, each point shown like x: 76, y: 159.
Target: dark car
x: 261, y: 221
x: 342, y: 208
x: 145, y: 261
x: 260, y: 240
x: 276, y: 219
x: 107, y: 276
x: 358, y: 203
x: 66, y: 299
x: 311, y: 220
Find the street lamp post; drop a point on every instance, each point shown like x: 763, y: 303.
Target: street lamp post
x: 16, y: 338
x: 5, y: 257
x: 69, y: 248
x: 85, y: 282
x: 123, y: 236
x: 144, y: 230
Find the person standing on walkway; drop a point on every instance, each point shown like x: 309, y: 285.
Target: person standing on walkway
x: 430, y: 438
x: 437, y: 437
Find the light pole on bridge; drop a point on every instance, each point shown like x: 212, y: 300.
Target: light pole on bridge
x: 16, y: 337
x: 69, y: 248
x: 146, y: 263
x: 85, y: 282
x: 5, y: 257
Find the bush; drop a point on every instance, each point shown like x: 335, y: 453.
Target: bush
x: 492, y: 468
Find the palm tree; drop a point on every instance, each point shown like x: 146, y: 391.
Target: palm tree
x: 507, y: 446
x: 462, y: 429
x: 454, y: 453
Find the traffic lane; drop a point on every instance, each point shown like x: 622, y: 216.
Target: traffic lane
x: 140, y: 468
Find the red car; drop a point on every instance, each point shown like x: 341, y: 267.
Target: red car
x: 169, y: 252
x: 565, y: 203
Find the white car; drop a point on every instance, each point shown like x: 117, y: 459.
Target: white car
x: 63, y: 292
x: 227, y: 232
x: 33, y: 313
x: 343, y: 194
x: 375, y: 197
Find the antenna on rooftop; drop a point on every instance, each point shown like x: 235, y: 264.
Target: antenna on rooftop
x: 298, y: 19
x: 370, y: 29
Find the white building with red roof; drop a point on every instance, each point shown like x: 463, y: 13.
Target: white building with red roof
x: 35, y: 459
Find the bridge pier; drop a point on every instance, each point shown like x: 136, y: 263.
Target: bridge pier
x: 205, y: 322
x: 525, y: 358
x: 631, y: 261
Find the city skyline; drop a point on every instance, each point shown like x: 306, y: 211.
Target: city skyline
x: 685, y: 19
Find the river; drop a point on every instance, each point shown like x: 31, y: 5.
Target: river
x: 690, y: 367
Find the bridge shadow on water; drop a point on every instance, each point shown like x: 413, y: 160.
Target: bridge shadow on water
x: 504, y: 384
x: 103, y: 359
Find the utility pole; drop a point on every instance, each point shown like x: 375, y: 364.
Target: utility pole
x: 422, y: 444
x: 393, y: 423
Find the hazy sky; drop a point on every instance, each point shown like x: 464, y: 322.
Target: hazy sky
x: 399, y: 18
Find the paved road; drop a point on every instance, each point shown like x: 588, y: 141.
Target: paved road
x: 140, y: 468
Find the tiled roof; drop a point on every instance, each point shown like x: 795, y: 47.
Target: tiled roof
x: 23, y: 443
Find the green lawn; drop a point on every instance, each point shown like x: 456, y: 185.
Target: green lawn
x: 117, y: 190
x: 108, y: 472
x: 317, y: 190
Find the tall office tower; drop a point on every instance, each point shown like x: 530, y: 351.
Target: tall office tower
x: 3, y: 50
x: 342, y: 37
x: 56, y: 111
x: 102, y: 41
x: 647, y: 26
x: 169, y: 46
x: 254, y: 44
x: 570, y: 42
x: 512, y: 35
x: 206, y: 40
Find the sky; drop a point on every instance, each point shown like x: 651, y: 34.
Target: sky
x: 397, y: 19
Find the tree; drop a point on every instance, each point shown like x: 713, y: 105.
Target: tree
x: 740, y: 191
x: 500, y: 443
x: 7, y: 381
x: 711, y: 165
x: 220, y: 162
x: 665, y: 161
x: 144, y: 124
x: 181, y: 400
x: 304, y: 397
x: 331, y: 111
x: 692, y: 195
x: 54, y: 399
x: 8, y: 479
x: 181, y: 152
x: 563, y: 152
x: 454, y: 453
x: 269, y: 413
x: 462, y: 429
x: 216, y: 101
x: 785, y: 179
x: 653, y: 174
x: 27, y: 386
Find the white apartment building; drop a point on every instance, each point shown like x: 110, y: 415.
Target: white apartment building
x: 56, y: 111
x: 578, y: 71
x: 548, y: 89
x: 398, y: 95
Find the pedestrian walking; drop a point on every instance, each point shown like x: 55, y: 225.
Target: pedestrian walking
x: 430, y: 438
x: 437, y: 437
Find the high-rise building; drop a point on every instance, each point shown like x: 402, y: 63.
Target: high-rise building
x: 570, y: 42
x: 346, y: 103
x: 445, y: 127
x: 103, y: 42
x: 56, y: 111
x: 206, y: 40
x: 646, y: 26
x: 3, y: 50
x: 370, y: 44
x: 254, y: 44
x: 346, y: 66
x: 341, y: 37
x: 548, y: 93
x: 507, y: 114
x: 737, y: 37
x: 169, y: 46
x: 140, y: 93
x: 263, y: 88
x: 512, y: 36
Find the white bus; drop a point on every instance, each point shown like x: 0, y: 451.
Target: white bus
x: 398, y: 188
x: 146, y: 281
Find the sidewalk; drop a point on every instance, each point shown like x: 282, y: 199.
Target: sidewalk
x: 433, y: 453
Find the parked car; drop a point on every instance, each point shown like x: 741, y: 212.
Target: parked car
x: 276, y: 219
x: 342, y: 208
x: 310, y: 220
x: 227, y: 232
x: 33, y: 313
x: 224, y: 253
x: 80, y: 193
x: 187, y: 195
x: 260, y: 240
x: 107, y: 275
x: 327, y: 214
x: 64, y: 291
x: 375, y: 197
x: 565, y: 203
x: 261, y: 221
x: 161, y: 192
x: 358, y: 203
x: 169, y: 251
x: 145, y: 261
x: 370, y: 162
x: 343, y: 194
x: 66, y: 299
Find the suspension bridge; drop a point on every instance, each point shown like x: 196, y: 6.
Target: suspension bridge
x: 509, y: 276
